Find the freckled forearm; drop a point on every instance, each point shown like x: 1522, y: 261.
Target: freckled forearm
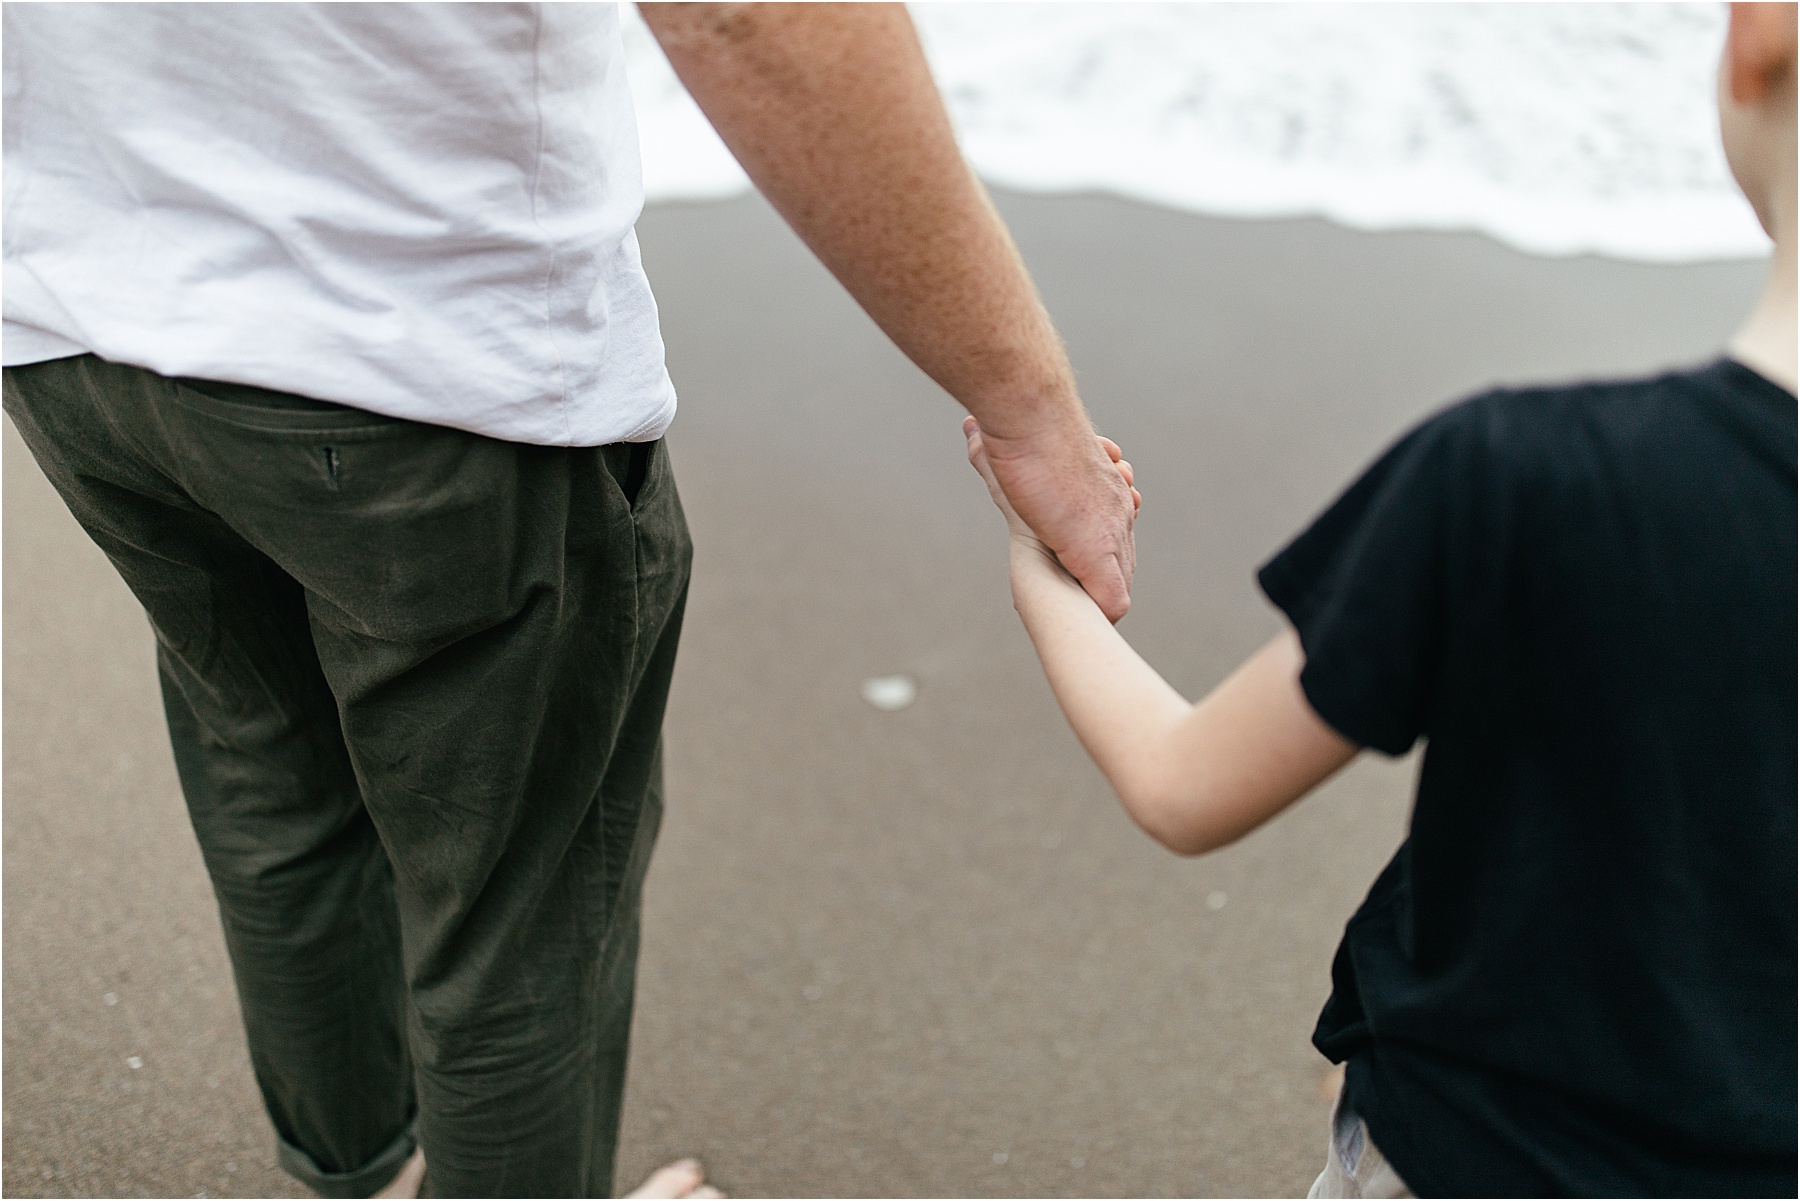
x: 832, y: 112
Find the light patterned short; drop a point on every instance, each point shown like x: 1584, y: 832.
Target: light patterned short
x: 1354, y: 1165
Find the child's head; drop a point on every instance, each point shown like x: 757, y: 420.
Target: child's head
x: 1756, y: 110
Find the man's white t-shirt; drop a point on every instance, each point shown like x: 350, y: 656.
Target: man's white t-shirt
x: 421, y: 210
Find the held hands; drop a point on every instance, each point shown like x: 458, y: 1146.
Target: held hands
x: 1022, y: 532
x: 1072, y: 496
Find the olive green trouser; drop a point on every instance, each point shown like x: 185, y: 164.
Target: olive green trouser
x: 414, y: 679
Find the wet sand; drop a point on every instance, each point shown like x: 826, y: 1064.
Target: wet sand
x: 887, y: 953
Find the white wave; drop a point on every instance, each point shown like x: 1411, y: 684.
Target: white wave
x: 1555, y: 128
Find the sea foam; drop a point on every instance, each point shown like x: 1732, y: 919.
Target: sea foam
x: 1555, y: 128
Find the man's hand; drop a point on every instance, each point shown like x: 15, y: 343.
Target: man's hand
x: 982, y: 462
x: 1023, y: 533
x: 831, y: 110
x: 1077, y: 499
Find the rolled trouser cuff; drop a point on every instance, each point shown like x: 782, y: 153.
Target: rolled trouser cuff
x: 362, y: 1182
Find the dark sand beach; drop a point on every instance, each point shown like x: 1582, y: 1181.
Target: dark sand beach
x: 913, y: 953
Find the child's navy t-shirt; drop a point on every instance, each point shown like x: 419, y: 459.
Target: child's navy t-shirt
x: 1577, y: 975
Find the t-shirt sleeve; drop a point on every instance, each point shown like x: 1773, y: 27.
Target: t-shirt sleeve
x: 1365, y: 587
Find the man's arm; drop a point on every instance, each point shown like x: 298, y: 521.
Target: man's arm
x: 831, y: 110
x: 1195, y: 777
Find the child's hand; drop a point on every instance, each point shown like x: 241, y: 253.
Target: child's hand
x: 1014, y: 523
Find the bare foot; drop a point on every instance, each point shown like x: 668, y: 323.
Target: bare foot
x: 407, y: 1180
x: 683, y: 1178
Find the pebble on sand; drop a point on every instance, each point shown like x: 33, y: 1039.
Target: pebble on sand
x: 889, y: 693
x: 1215, y: 900
x: 133, y: 1062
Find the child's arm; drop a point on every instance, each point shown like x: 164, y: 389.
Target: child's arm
x: 1195, y: 777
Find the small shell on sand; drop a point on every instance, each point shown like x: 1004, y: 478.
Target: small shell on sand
x: 889, y: 693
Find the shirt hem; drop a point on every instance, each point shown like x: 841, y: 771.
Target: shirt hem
x: 22, y: 345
